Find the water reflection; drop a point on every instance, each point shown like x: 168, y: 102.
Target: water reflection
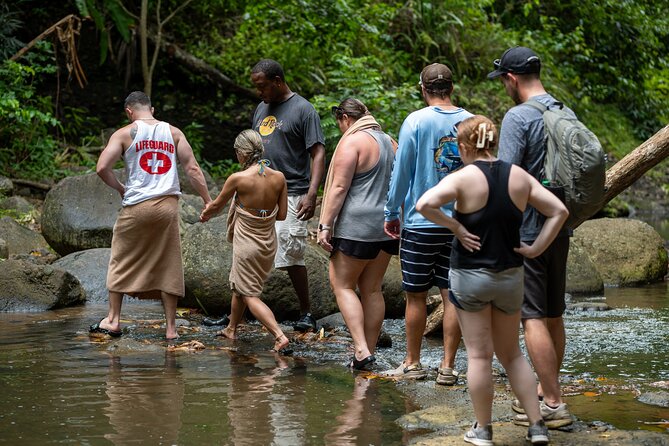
x: 359, y: 409
x: 144, y: 400
x: 59, y: 386
x: 260, y: 406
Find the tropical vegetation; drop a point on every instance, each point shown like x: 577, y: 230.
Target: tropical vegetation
x: 608, y: 60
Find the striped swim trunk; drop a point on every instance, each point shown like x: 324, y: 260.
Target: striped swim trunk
x: 425, y: 258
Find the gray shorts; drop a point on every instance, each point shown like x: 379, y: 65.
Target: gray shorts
x: 473, y: 289
x: 291, y: 235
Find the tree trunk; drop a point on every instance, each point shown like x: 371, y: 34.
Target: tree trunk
x: 144, y: 47
x: 635, y: 164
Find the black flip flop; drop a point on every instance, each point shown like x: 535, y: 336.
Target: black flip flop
x: 360, y: 365
x: 95, y: 328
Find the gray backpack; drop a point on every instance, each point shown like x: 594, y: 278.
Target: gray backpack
x: 574, y: 162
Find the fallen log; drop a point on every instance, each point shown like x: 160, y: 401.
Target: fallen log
x: 199, y: 66
x: 636, y: 163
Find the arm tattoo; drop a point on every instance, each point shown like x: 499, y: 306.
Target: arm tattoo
x: 133, y: 133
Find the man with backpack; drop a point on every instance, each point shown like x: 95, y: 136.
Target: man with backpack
x: 522, y: 142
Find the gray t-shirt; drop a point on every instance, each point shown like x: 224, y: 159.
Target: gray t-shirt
x: 521, y: 142
x: 289, y: 130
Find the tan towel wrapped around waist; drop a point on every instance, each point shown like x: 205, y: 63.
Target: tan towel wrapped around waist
x: 146, y: 250
x: 253, y: 248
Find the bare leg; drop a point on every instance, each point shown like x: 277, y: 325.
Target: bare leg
x: 542, y: 350
x: 113, y: 320
x: 477, y: 334
x: 451, y: 329
x: 265, y: 316
x: 300, y: 280
x: 373, y: 304
x: 170, y: 307
x: 238, y: 306
x: 415, y: 318
x: 521, y: 378
x: 344, y: 273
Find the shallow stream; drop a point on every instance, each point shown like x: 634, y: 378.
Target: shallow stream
x: 61, y: 386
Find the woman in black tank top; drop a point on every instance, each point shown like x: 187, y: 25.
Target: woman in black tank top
x: 487, y: 266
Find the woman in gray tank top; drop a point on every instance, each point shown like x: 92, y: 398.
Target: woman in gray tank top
x: 351, y: 224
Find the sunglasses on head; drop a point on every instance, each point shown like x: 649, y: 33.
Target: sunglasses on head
x: 337, y: 110
x: 497, y: 63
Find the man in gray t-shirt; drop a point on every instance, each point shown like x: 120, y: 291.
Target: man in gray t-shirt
x: 291, y: 134
x: 522, y: 142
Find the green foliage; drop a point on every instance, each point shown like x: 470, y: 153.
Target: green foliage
x: 9, y: 24
x: 590, y: 43
x: 108, y: 15
x: 217, y: 169
x: 357, y: 77
x: 26, y: 146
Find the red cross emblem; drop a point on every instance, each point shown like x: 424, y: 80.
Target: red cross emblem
x: 155, y: 163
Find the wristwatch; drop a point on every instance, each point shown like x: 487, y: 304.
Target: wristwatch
x: 322, y: 227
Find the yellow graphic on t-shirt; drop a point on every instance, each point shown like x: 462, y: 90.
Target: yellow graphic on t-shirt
x: 267, y: 126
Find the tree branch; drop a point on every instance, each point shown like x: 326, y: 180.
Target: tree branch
x: 198, y: 66
x: 45, y: 33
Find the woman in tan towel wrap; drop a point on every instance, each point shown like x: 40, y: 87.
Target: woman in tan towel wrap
x: 260, y: 198
x: 351, y: 224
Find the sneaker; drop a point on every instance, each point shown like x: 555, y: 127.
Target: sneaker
x: 480, y: 436
x: 306, y: 323
x: 518, y: 408
x: 413, y: 371
x: 554, y: 417
x: 447, y: 376
x: 537, y: 433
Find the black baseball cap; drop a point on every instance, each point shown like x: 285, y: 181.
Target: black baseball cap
x: 518, y: 60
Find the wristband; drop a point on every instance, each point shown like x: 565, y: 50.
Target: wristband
x: 323, y: 227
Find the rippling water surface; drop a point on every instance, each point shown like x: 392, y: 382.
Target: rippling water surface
x: 61, y: 386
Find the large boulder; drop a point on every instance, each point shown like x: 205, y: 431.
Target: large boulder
x: 90, y: 268
x: 393, y: 294
x: 582, y: 274
x: 6, y: 186
x: 28, y: 287
x: 187, y: 188
x: 18, y: 204
x: 626, y: 252
x: 207, y: 259
x: 79, y: 213
x: 19, y: 239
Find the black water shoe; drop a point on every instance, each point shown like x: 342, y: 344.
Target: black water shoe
x: 216, y: 322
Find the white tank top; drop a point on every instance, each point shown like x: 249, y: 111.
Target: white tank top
x: 151, y: 164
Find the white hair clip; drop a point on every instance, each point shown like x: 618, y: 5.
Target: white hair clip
x: 482, y: 135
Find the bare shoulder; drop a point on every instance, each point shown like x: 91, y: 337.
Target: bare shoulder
x: 124, y: 135
x: 177, y: 134
x: 519, y: 174
x: 275, y: 174
x: 359, y: 139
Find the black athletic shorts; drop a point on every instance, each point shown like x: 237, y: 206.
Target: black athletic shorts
x: 364, y: 250
x: 545, y: 278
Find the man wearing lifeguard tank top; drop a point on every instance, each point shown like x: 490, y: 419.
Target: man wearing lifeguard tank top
x: 146, y: 247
